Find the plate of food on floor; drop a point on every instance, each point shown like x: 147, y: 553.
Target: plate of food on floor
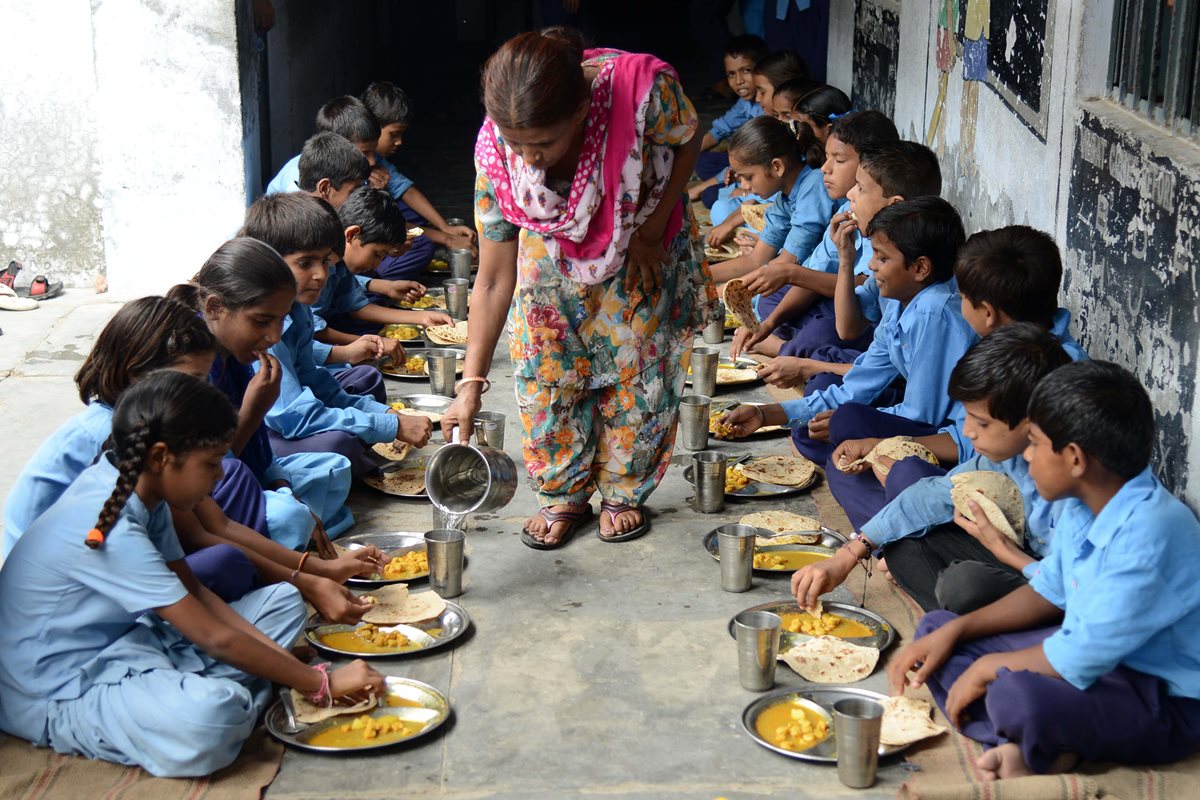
x: 402, y: 332
x: 414, y: 367
x: 741, y: 371
x: 447, y: 335
x: 433, y: 299
x: 399, y: 623
x: 785, y: 541
x: 405, y: 557
x: 401, y: 474
x: 409, y: 710
x: 829, y: 620
x: 798, y: 723
x: 765, y: 476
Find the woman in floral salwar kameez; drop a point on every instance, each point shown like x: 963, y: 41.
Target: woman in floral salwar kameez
x: 582, y: 164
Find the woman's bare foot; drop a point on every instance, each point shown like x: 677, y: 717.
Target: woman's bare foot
x: 551, y: 534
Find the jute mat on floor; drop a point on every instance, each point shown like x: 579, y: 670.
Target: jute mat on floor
x: 945, y: 766
x: 39, y: 773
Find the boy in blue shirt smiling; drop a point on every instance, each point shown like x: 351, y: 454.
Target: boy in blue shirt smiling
x: 1097, y: 658
x: 921, y: 337
x: 965, y: 566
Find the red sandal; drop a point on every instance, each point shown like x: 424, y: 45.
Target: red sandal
x: 26, y: 284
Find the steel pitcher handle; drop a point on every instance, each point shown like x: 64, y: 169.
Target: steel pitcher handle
x: 456, y: 435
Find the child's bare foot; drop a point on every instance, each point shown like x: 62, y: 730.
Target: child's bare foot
x: 769, y: 346
x: 881, y: 565
x: 1006, y: 761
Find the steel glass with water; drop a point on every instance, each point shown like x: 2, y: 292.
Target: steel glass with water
x: 735, y: 548
x: 708, y: 471
x: 443, y: 370
x: 704, y: 370
x: 445, y: 551
x: 694, y: 411
x: 460, y: 263
x: 457, y: 292
x: 489, y: 429
x: 857, y: 723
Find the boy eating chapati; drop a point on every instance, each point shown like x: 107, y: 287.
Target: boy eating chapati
x: 1097, y: 659
x: 963, y: 566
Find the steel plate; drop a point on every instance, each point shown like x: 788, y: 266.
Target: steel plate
x: 824, y: 752
x: 443, y: 629
x: 882, y: 633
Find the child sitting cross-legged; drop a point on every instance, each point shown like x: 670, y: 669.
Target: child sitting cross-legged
x: 921, y: 337
x: 792, y: 294
x: 741, y: 54
x: 1096, y: 659
x: 963, y: 566
x: 821, y: 343
x: 1010, y: 274
x: 772, y: 163
x: 109, y: 646
x: 314, y: 414
x: 372, y: 227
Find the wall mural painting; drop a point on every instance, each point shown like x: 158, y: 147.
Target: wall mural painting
x: 876, y: 55
x: 1001, y: 44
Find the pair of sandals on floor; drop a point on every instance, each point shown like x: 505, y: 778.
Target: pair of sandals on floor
x: 577, y: 519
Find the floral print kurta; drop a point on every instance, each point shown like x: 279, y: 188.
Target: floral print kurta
x: 597, y: 368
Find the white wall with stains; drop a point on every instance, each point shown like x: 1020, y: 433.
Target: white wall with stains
x: 120, y: 138
x: 1120, y: 195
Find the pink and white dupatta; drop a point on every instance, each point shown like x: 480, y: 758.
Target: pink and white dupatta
x: 587, y: 233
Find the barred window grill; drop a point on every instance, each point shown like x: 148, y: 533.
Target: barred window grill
x: 1154, y: 68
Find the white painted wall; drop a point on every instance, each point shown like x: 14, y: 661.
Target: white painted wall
x: 120, y: 138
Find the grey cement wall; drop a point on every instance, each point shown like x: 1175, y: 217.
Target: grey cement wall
x: 1023, y: 139
x: 120, y: 138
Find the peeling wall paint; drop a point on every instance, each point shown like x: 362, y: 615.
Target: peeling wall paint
x: 1121, y: 197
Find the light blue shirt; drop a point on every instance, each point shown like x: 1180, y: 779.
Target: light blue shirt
x: 69, y: 451
x: 798, y: 219
x: 1128, y: 582
x: 311, y: 401
x: 920, y: 342
x: 927, y: 503
x: 288, y: 178
x: 343, y: 293
x: 738, y: 115
x: 62, y: 603
x: 824, y: 258
x: 1061, y: 329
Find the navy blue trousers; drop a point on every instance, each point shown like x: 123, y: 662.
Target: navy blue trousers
x: 708, y: 165
x: 1125, y: 717
x: 225, y: 570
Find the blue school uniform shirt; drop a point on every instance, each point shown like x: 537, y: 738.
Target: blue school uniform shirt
x: 62, y: 603
x: 1061, y: 329
x: 232, y: 377
x: 920, y: 342
x: 798, y: 219
x: 824, y: 258
x: 927, y: 503
x: 342, y: 294
x: 57, y: 463
x: 738, y: 115
x: 1129, y: 585
x: 288, y: 178
x: 311, y: 401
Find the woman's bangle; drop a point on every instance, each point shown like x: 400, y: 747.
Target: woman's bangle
x: 487, y: 384
x: 322, y: 695
x: 300, y: 566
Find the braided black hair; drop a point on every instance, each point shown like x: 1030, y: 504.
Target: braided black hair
x: 181, y: 411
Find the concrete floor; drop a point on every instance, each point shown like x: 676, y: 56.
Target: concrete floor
x: 599, y: 669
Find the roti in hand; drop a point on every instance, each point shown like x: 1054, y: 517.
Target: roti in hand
x: 828, y: 659
x: 997, y: 495
x: 393, y: 451
x: 738, y: 302
x: 896, y: 448
x: 308, y: 712
x: 394, y: 605
x: 906, y: 720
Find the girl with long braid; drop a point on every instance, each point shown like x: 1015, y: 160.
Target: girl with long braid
x: 109, y: 646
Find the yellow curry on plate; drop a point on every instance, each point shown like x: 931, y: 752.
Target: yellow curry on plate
x: 791, y: 726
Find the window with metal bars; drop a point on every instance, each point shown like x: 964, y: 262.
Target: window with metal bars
x: 1154, y: 68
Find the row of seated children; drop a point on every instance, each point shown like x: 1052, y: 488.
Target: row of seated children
x: 189, y: 497
x: 376, y: 125
x: 990, y: 379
